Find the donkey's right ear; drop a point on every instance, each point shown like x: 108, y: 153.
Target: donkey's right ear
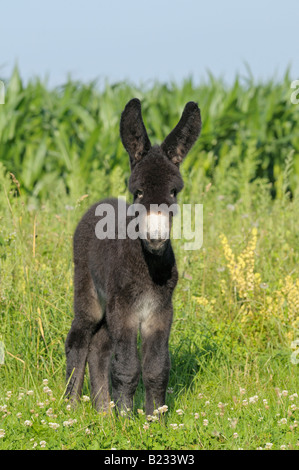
x: 133, y: 133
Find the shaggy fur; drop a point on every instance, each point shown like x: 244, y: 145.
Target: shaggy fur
x: 123, y: 286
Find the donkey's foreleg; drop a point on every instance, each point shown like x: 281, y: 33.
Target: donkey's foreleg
x: 125, y: 364
x: 155, y: 360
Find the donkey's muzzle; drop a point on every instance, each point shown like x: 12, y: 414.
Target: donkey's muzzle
x: 156, y: 230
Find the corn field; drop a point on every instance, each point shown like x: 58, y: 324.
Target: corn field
x: 55, y: 139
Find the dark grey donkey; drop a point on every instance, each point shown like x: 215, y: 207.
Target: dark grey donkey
x: 124, y: 285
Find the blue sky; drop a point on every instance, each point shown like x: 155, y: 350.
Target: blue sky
x: 147, y: 40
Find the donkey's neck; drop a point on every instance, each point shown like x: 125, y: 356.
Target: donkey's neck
x: 160, y: 267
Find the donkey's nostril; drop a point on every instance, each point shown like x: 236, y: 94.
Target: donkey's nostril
x: 155, y: 235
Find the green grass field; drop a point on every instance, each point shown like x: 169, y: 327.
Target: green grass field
x: 234, y: 380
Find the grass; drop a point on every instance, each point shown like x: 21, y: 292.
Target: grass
x: 234, y: 377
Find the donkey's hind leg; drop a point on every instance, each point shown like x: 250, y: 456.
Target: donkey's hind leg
x: 88, y: 314
x: 98, y: 363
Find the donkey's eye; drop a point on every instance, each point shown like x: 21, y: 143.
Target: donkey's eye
x: 173, y: 193
x: 139, y: 194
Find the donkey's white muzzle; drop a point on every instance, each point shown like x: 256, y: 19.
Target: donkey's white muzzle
x: 155, y: 226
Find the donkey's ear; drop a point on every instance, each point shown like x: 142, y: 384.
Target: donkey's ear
x: 184, y: 135
x: 133, y: 133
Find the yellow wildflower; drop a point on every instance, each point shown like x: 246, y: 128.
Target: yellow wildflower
x: 241, y: 269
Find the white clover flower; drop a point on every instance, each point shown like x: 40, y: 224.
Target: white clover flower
x: 28, y: 422
x: 69, y: 422
x: 152, y: 418
x: 233, y: 422
x: 253, y: 399
x: 54, y: 425
x: 163, y: 409
x: 174, y: 426
x: 282, y: 421
x: 49, y: 412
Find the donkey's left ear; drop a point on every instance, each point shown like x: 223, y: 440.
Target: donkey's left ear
x: 184, y: 135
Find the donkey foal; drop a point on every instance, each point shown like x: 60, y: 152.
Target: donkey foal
x: 125, y: 285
